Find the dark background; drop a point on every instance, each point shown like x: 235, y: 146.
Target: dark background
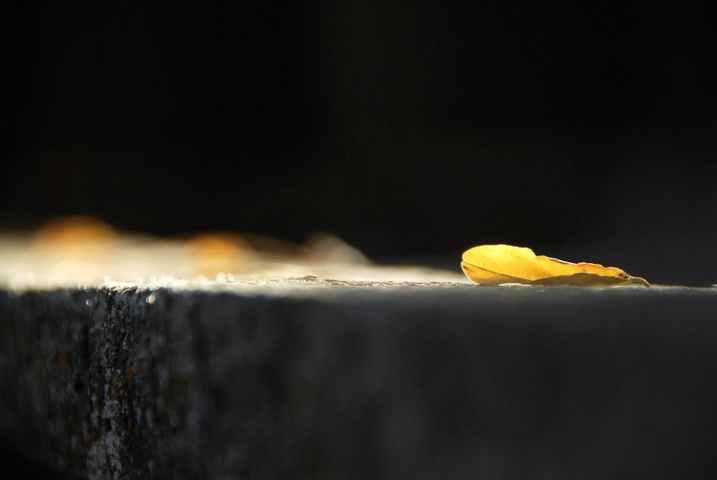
x: 413, y: 130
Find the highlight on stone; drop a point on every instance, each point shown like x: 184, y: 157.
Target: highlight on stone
x: 74, y: 250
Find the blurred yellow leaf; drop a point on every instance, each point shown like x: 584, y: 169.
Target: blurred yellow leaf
x: 497, y: 264
x: 213, y: 253
x: 74, y: 231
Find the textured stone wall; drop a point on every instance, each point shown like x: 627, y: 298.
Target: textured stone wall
x: 315, y: 379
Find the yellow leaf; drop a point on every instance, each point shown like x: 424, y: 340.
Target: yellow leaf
x: 497, y: 264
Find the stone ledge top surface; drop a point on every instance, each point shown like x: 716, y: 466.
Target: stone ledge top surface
x: 148, y: 264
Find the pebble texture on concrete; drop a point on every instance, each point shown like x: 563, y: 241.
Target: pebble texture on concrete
x: 313, y: 378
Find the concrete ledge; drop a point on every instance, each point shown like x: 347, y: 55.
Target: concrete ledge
x: 312, y: 378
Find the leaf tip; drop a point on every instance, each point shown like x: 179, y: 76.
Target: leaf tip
x: 640, y: 280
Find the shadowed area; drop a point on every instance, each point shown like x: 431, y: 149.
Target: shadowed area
x: 305, y: 378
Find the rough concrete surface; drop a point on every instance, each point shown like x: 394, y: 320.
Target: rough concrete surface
x: 311, y: 378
